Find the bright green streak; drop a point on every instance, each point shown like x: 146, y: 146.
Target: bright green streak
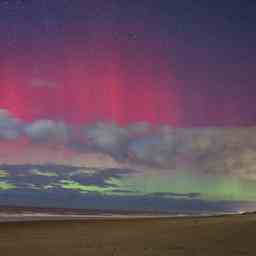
x: 3, y: 173
x: 83, y: 171
x: 5, y: 185
x: 209, y: 187
x: 46, y: 174
x: 69, y: 184
x: 72, y: 185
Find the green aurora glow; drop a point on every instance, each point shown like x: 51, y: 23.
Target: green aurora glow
x: 6, y: 186
x: 208, y: 187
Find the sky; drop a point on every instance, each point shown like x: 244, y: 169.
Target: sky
x: 128, y: 104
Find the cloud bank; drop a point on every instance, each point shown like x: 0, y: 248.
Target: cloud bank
x: 205, y: 150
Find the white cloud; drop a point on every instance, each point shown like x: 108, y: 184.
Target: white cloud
x: 10, y: 127
x: 139, y: 128
x: 107, y: 137
x: 48, y: 131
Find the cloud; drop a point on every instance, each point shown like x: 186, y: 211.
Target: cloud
x: 207, y: 150
x: 212, y: 150
x: 108, y: 138
x: 43, y: 173
x: 176, y: 195
x: 158, y: 149
x: 10, y: 127
x: 140, y: 141
x: 48, y: 131
x: 139, y: 128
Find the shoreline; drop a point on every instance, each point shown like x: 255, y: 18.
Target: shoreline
x: 37, y: 217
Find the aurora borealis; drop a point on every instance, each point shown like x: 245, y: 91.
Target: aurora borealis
x: 142, y: 105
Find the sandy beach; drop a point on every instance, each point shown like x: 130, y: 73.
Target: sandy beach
x: 219, y: 235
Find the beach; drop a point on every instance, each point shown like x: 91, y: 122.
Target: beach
x: 217, y: 235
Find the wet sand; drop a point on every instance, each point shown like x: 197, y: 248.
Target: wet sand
x: 71, y: 217
x: 222, y: 235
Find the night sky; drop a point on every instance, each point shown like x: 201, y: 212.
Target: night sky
x: 150, y: 103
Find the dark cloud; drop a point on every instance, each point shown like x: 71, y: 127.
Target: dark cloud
x: 39, y: 190
x: 73, y: 199
x: 24, y: 176
x: 177, y: 195
x: 99, y: 178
